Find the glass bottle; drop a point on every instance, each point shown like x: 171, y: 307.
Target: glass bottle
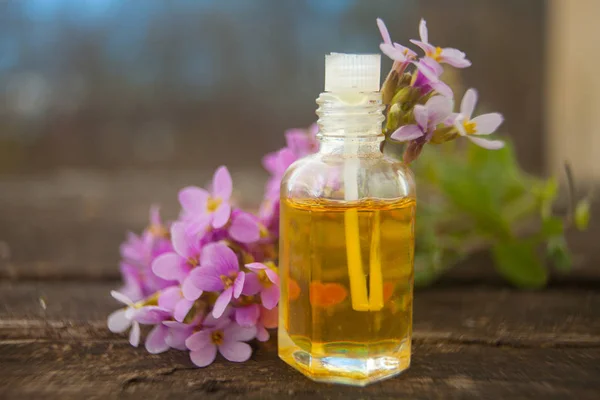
x: 347, y: 240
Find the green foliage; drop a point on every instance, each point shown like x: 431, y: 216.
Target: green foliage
x: 473, y: 199
x: 582, y: 214
x: 518, y: 262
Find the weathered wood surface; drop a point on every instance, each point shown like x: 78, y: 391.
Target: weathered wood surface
x: 474, y: 338
x: 478, y: 343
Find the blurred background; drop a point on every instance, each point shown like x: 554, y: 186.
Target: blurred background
x: 110, y: 85
x: 123, y: 102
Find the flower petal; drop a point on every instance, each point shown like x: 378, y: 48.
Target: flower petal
x: 273, y: 276
x: 438, y: 109
x: 467, y: 105
x: 238, y: 284
x: 426, y: 47
x: 193, y: 199
x: 236, y: 333
x: 155, y: 341
x: 155, y: 215
x: 169, y: 297
x: 180, y: 239
x: 221, y: 215
x: 262, y: 335
x: 190, y: 290
x: 170, y: 266
x: 235, y: 351
x: 121, y: 297
x: 270, y: 297
x: 421, y: 116
x: 406, y: 133
x: 222, y: 302
x: 199, y: 340
x: 487, y: 123
x: 269, y: 162
x: 118, y: 322
x: 244, y: 228
x: 423, y: 33
x: 219, y: 323
x: 204, y: 356
x: 443, y: 89
x: 182, y: 308
x: 385, y: 34
x: 455, y: 57
x: 221, y: 257
x: 256, y: 266
x: 487, y: 144
x: 196, y: 226
x: 252, y: 284
x: 150, y: 315
x: 247, y: 316
x: 427, y: 70
x: 132, y: 287
x: 177, y: 337
x: 205, y: 278
x: 458, y: 124
x: 134, y: 335
x: 392, y: 52
x: 221, y: 184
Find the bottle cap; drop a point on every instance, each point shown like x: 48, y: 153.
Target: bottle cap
x: 352, y: 72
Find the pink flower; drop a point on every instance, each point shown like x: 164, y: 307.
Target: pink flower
x: 264, y: 280
x: 177, y: 265
x: 202, y: 207
x: 173, y: 299
x: 268, y: 320
x: 269, y: 213
x: 428, y: 116
x: 428, y: 78
x: 447, y: 55
x: 246, y: 312
x: 132, y: 316
x: 302, y: 142
x: 133, y: 283
x: 178, y: 334
x: 138, y: 253
x: 219, y: 271
x: 244, y: 227
x: 155, y: 341
x: 481, y: 125
x: 225, y: 336
x: 395, y: 51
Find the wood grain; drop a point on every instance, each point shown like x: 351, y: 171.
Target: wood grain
x: 479, y: 343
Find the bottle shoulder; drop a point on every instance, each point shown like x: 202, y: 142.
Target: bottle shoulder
x: 333, y: 176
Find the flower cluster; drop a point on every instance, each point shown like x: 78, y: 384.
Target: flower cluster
x: 205, y: 282
x: 420, y: 104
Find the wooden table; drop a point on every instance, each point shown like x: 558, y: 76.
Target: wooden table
x: 474, y: 337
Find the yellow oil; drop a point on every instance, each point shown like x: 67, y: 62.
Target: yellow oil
x: 346, y: 273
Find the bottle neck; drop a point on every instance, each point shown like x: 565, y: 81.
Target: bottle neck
x: 350, y: 123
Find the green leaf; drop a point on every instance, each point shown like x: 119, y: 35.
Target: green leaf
x: 559, y: 254
x: 518, y: 262
x: 546, y: 194
x: 582, y: 214
x: 473, y: 196
x: 500, y: 170
x: 552, y: 226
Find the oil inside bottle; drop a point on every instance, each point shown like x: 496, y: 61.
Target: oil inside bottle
x: 346, y: 287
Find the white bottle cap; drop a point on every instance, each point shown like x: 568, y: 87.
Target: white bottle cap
x: 352, y: 72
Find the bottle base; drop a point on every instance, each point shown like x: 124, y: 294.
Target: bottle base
x: 344, y: 369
